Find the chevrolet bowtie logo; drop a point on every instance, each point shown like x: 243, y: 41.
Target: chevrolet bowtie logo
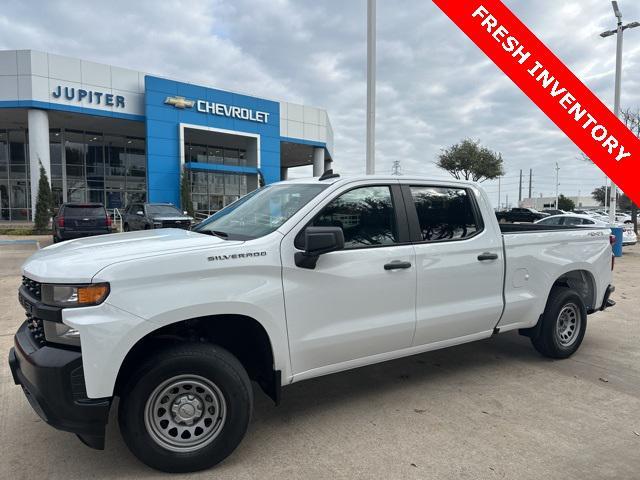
x: 179, y: 102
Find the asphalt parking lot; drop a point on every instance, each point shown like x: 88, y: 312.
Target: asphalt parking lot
x: 490, y: 409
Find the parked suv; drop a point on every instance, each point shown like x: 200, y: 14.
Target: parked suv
x: 145, y: 216
x: 76, y: 220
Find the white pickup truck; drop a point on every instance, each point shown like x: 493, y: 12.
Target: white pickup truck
x: 295, y: 280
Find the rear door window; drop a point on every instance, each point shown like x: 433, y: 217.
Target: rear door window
x: 445, y: 213
x: 73, y: 211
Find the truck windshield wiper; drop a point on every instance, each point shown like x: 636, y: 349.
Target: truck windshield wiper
x: 216, y: 233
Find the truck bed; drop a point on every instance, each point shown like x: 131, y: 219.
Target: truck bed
x: 537, y: 255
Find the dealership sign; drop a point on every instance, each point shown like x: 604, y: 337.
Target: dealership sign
x: 588, y: 122
x: 219, y: 109
x: 94, y: 97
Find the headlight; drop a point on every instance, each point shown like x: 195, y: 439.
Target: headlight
x: 60, y: 333
x: 74, y: 295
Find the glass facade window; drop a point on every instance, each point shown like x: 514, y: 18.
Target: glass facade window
x: 15, y: 196
x: 200, y: 153
x: 211, y: 191
x: 109, y: 169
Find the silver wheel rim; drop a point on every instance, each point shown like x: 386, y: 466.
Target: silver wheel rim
x: 185, y: 413
x: 568, y: 324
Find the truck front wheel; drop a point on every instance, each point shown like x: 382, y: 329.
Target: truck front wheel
x: 186, y: 408
x: 564, y: 324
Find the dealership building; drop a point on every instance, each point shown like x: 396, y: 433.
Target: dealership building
x: 113, y: 135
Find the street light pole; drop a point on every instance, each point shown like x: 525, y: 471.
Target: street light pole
x: 371, y: 88
x: 557, y: 183
x: 616, y: 99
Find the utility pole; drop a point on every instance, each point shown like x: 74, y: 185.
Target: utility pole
x: 371, y: 87
x: 520, y: 189
x: 530, y: 180
x: 616, y: 100
x: 499, y: 192
x: 395, y: 168
x: 557, y: 183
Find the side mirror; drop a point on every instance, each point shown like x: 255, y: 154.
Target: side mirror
x: 140, y: 212
x: 318, y: 241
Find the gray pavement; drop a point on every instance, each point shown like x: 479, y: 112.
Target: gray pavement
x: 490, y: 409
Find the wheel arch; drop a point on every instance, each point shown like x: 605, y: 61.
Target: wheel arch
x: 582, y: 282
x: 242, y: 335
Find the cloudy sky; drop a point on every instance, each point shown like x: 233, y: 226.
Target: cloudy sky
x: 434, y: 86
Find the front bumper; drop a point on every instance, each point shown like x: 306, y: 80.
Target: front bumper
x: 52, y: 379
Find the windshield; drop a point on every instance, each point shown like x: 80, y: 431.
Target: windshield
x: 261, y: 212
x: 163, y: 210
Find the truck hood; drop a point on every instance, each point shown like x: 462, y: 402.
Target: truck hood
x: 77, y: 261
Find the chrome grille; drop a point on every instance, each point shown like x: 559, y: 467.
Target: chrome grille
x: 33, y: 287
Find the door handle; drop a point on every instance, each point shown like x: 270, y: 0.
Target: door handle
x: 487, y: 256
x: 396, y: 265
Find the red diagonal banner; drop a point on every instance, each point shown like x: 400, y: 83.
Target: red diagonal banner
x: 550, y: 84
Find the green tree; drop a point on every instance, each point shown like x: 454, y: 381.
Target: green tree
x: 565, y: 203
x: 601, y: 194
x: 44, y: 203
x: 624, y: 202
x: 185, y: 194
x: 469, y: 160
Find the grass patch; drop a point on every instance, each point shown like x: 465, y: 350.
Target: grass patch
x: 22, y: 231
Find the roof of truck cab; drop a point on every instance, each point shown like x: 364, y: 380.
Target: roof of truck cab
x: 380, y: 178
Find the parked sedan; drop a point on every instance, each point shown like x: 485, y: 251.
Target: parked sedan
x: 629, y: 237
x: 573, y: 219
x: 76, y: 220
x: 145, y: 216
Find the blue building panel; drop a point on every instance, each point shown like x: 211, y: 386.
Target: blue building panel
x: 186, y: 103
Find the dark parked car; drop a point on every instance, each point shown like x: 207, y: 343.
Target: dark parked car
x: 145, y: 216
x: 520, y: 215
x: 75, y: 220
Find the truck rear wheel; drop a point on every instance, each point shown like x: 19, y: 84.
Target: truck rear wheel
x: 564, y: 324
x: 187, y: 408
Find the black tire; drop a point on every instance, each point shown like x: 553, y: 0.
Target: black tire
x: 552, y: 340
x: 125, y: 227
x: 55, y: 239
x: 209, y: 362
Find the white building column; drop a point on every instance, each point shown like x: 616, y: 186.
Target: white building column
x: 328, y: 164
x: 318, y: 161
x: 38, y: 123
